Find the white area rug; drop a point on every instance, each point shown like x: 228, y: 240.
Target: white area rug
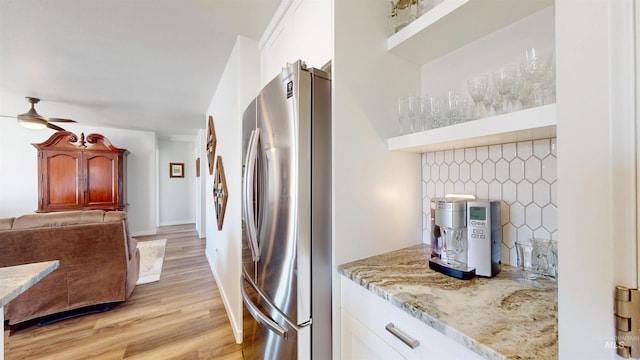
x: 151, y: 259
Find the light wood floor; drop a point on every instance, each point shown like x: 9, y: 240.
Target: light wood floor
x: 180, y: 317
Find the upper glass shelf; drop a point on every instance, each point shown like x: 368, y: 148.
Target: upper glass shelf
x: 454, y: 23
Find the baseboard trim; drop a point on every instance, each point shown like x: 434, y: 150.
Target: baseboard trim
x: 237, y: 332
x: 177, y: 222
x: 144, y: 233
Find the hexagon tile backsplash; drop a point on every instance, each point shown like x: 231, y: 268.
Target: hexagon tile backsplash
x: 521, y: 174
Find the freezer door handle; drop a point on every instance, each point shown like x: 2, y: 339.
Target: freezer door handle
x: 249, y: 173
x: 259, y: 316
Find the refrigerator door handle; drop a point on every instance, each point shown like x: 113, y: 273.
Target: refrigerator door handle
x: 249, y: 173
x: 259, y: 316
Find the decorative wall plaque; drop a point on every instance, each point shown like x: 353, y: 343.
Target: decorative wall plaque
x: 220, y: 193
x: 211, y: 144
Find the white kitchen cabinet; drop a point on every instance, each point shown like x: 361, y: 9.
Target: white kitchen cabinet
x: 364, y: 333
x: 313, y: 33
x: 360, y: 343
x: 301, y: 30
x: 276, y: 49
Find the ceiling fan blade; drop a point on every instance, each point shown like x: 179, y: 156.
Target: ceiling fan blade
x: 31, y: 114
x: 55, y: 127
x: 60, y: 120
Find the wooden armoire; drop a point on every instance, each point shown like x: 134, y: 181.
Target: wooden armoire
x: 80, y: 174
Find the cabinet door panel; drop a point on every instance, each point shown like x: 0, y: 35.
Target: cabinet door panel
x: 360, y: 343
x: 101, y: 180
x: 61, y: 176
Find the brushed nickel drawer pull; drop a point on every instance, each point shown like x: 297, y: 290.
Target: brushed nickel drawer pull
x: 402, y: 336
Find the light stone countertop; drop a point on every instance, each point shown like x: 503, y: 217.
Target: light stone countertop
x: 14, y: 280
x: 503, y: 317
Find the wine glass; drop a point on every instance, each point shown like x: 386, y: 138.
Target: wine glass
x: 535, y: 65
x: 524, y: 95
x: 487, y: 100
x: 503, y: 79
x: 477, y: 87
x: 514, y: 92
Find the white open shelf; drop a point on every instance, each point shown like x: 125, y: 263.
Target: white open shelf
x: 455, y: 23
x: 529, y: 124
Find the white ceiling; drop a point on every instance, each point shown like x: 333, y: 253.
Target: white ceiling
x: 135, y: 64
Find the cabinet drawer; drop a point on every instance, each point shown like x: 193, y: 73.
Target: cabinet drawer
x: 382, y: 318
x: 360, y: 343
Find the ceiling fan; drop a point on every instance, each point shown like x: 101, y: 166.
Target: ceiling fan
x: 32, y: 120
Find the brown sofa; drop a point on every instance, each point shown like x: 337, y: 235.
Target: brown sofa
x: 99, y: 261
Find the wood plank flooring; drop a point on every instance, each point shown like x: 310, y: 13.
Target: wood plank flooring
x: 179, y: 317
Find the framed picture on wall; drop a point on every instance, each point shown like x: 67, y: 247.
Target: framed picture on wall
x: 176, y: 170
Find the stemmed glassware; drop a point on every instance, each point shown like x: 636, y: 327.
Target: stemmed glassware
x: 503, y: 79
x: 535, y: 67
x: 487, y: 100
x: 527, y: 83
x: 514, y: 92
x: 477, y: 87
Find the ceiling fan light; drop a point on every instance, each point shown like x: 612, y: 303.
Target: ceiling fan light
x: 35, y: 124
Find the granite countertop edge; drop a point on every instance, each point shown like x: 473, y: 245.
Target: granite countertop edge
x: 14, y: 280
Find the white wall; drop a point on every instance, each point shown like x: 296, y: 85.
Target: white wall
x: 596, y: 131
x: 200, y: 151
x: 377, y: 193
x: 18, y: 167
x: 177, y: 200
x: 237, y: 87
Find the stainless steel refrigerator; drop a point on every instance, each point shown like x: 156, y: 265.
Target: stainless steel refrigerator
x: 286, y: 217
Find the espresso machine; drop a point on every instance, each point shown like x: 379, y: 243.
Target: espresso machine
x: 466, y: 237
